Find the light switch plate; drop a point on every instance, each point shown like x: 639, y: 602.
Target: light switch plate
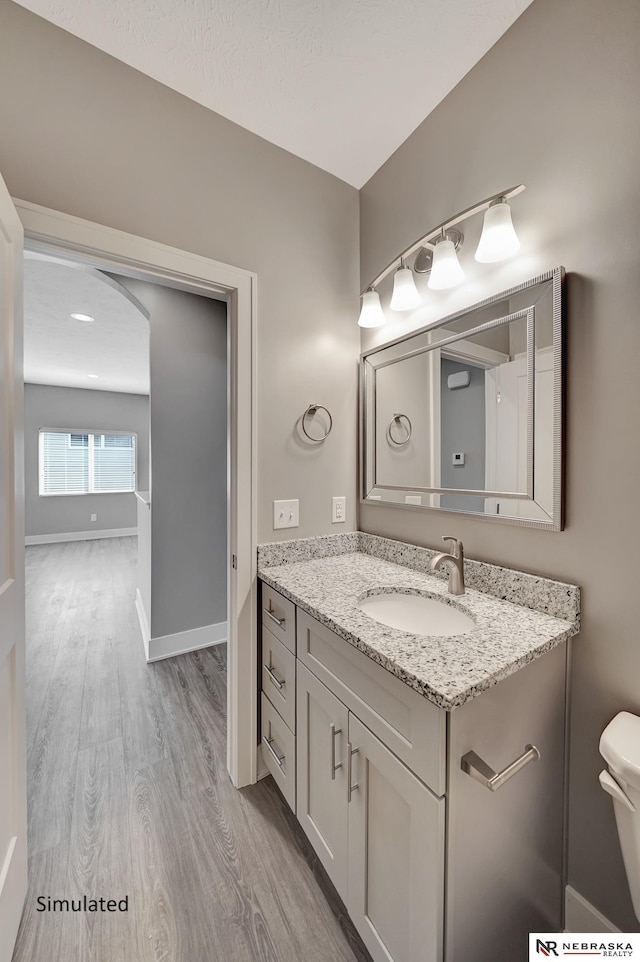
x: 286, y: 514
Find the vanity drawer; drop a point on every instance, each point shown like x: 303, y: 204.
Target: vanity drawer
x: 279, y: 751
x: 410, y: 725
x: 279, y: 616
x: 279, y: 677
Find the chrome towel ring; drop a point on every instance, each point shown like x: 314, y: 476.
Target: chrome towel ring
x: 311, y: 410
x: 398, y: 420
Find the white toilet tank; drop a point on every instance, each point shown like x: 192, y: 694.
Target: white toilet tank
x: 620, y: 747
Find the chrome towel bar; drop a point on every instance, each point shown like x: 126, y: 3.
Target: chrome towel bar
x: 475, y: 766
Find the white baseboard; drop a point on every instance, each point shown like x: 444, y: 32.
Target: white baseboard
x: 581, y: 916
x: 80, y: 535
x: 179, y: 643
x: 167, y: 646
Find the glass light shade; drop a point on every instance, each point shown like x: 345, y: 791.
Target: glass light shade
x: 499, y: 240
x: 405, y: 293
x: 446, y: 271
x: 371, y: 314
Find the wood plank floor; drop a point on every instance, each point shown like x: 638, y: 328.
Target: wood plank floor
x: 129, y: 794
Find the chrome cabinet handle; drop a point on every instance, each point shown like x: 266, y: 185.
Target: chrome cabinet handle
x: 334, y: 768
x: 276, y: 681
x: 277, y: 758
x: 350, y: 753
x: 278, y: 621
x: 473, y: 765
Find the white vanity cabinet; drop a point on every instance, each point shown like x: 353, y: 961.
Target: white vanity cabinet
x: 378, y: 831
x: 431, y: 864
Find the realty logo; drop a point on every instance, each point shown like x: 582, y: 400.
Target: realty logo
x: 557, y: 945
x: 546, y: 948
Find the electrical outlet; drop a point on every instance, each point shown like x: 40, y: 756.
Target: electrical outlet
x: 338, y: 510
x: 94, y: 517
x: 286, y: 514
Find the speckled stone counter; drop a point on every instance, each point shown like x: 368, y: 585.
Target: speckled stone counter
x: 448, y: 671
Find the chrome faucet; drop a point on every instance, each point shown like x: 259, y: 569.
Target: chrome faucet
x: 455, y: 559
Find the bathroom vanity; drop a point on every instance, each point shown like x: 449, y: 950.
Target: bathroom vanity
x: 384, y: 744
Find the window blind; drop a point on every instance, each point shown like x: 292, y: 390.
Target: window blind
x: 113, y: 462
x: 77, y: 463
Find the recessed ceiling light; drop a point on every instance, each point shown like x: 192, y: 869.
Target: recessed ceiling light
x: 83, y: 317
x: 93, y: 375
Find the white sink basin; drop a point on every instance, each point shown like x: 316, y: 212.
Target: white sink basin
x: 416, y: 614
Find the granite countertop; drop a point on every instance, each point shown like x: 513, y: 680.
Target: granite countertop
x: 448, y: 671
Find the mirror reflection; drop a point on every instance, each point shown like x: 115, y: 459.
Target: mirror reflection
x: 465, y: 415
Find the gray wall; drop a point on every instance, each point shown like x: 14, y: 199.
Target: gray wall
x: 188, y: 380
x: 68, y: 407
x: 568, y: 69
x: 463, y: 427
x: 85, y: 134
x: 404, y: 388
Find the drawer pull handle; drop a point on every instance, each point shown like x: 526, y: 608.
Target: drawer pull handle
x: 277, y: 758
x: 276, y: 681
x: 334, y: 768
x: 278, y: 621
x: 473, y: 765
x: 350, y: 753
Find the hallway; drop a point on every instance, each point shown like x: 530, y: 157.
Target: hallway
x: 129, y: 794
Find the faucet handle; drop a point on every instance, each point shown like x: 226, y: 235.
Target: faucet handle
x: 454, y: 545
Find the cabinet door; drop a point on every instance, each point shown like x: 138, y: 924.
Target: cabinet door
x: 396, y: 855
x: 321, y: 771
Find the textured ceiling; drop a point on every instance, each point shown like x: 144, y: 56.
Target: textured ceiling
x: 62, y: 351
x: 341, y: 83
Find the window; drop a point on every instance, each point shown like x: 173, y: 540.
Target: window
x: 75, y: 462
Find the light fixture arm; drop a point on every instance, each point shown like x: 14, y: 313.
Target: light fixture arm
x: 426, y: 239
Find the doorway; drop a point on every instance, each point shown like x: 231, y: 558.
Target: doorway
x: 61, y: 235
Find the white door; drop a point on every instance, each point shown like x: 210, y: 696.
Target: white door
x: 13, y: 791
x: 506, y: 412
x: 396, y: 855
x: 322, y: 722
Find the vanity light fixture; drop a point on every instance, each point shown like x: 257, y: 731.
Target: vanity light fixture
x: 436, y: 254
x: 405, y: 293
x: 83, y: 317
x: 445, y: 267
x: 371, y: 314
x: 499, y: 239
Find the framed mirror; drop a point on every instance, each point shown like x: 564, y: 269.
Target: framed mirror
x: 466, y: 414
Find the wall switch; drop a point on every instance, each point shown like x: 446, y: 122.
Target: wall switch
x: 458, y: 458
x: 94, y: 517
x: 286, y: 514
x: 338, y: 510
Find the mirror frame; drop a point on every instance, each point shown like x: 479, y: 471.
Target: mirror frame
x: 367, y: 451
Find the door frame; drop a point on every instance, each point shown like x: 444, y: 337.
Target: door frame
x: 97, y: 245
